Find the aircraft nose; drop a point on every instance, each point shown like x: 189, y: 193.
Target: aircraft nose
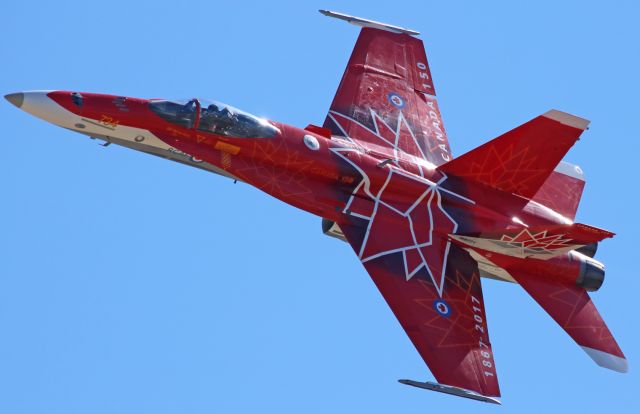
x: 15, y: 98
x: 39, y: 104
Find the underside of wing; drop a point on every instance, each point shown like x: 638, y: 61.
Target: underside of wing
x: 386, y: 97
x: 442, y: 311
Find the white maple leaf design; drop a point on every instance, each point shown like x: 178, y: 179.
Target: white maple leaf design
x: 414, y: 229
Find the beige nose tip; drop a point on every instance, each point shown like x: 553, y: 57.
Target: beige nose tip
x: 15, y: 98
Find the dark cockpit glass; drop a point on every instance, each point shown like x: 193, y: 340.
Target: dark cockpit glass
x: 221, y: 119
x: 214, y: 117
x: 182, y: 113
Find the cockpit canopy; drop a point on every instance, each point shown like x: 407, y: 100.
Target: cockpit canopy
x: 213, y: 117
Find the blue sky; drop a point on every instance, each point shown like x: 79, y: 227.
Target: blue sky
x: 131, y: 284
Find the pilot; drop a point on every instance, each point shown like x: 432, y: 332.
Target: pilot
x: 186, y: 113
x: 222, y: 119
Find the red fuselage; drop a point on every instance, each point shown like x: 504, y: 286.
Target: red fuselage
x: 313, y: 180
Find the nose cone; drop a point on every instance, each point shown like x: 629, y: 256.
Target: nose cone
x: 15, y: 98
x: 40, y: 104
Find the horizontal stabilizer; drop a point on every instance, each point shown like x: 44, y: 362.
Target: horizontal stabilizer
x: 448, y: 389
x: 571, y: 307
x: 521, y: 160
x: 541, y: 242
x: 589, y: 234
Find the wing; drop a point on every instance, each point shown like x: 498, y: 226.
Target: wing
x: 571, y: 307
x: 445, y: 319
x: 387, y: 88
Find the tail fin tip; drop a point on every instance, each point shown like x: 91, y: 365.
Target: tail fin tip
x: 567, y: 119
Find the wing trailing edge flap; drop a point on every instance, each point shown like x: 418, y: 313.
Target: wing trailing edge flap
x: 572, y: 308
x: 521, y: 160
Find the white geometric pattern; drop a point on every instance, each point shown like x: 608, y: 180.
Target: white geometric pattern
x: 432, y: 248
x: 381, y: 126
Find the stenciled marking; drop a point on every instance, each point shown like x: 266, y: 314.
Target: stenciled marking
x: 483, y: 343
x: 97, y: 123
x: 422, y: 73
x: 108, y: 121
x: 184, y: 154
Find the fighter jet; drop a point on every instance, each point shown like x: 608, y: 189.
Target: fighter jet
x: 381, y: 175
